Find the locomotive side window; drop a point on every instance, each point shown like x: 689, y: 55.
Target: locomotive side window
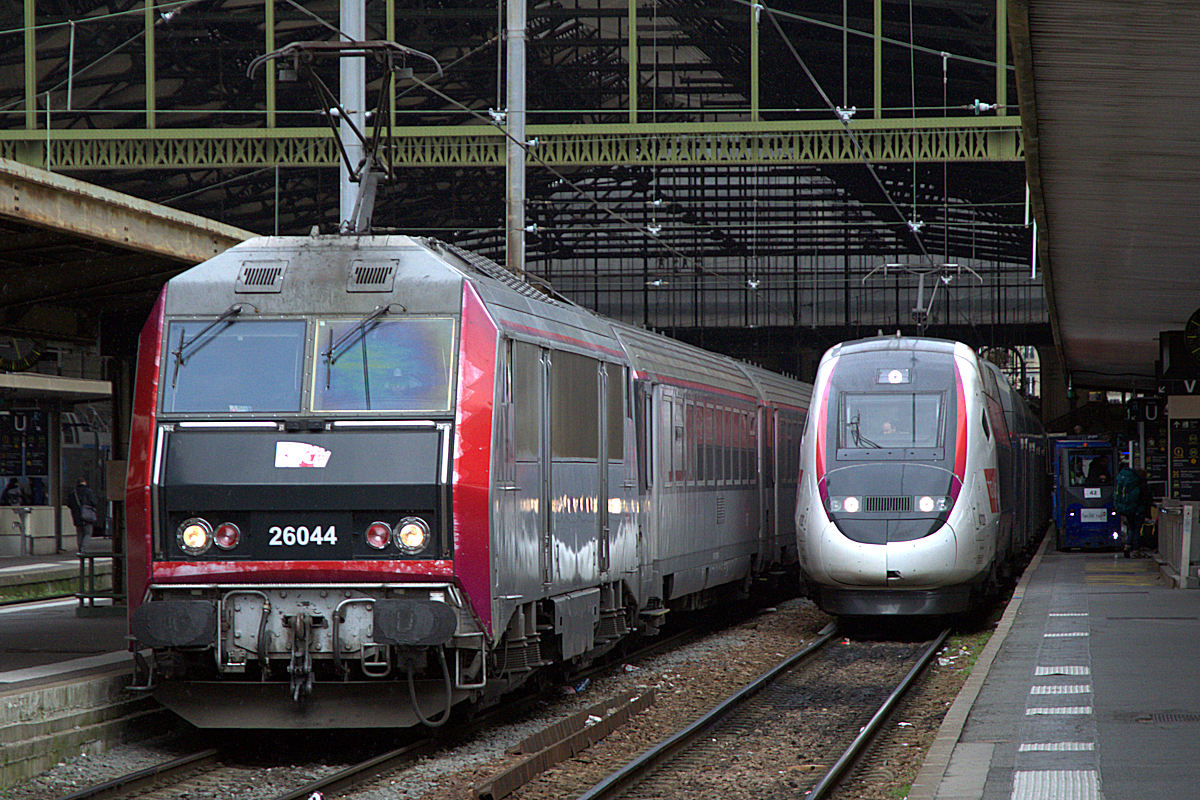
x: 890, y: 420
x: 386, y: 365
x: 574, y: 406
x: 233, y: 366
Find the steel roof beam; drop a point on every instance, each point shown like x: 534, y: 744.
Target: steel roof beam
x: 65, y: 205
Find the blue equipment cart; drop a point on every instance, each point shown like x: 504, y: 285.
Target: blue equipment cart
x: 1084, y: 471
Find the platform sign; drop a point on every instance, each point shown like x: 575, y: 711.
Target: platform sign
x: 24, y: 444
x: 1184, y: 459
x: 1156, y: 457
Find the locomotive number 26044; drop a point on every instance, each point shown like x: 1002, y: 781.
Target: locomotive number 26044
x: 291, y: 535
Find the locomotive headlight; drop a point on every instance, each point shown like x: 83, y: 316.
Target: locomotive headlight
x: 194, y: 536
x: 925, y: 504
x: 835, y: 504
x: 411, y: 535
x: 850, y: 504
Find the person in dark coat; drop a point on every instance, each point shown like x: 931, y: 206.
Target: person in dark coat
x: 12, y: 493
x: 84, y: 511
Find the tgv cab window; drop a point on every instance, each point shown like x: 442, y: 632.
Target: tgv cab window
x: 384, y: 365
x: 890, y: 421
x: 233, y: 365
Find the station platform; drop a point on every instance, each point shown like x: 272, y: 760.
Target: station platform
x: 1090, y: 690
x: 32, y: 577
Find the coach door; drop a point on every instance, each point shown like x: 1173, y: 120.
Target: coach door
x: 766, y: 476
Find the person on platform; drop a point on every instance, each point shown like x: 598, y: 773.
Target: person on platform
x: 11, y: 496
x: 1128, y: 502
x: 1098, y: 473
x: 83, y: 507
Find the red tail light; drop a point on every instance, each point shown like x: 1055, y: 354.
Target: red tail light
x: 227, y: 536
x: 379, y: 534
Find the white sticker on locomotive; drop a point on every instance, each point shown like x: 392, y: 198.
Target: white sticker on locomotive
x: 300, y: 454
x: 1090, y: 493
x: 301, y: 536
x: 1089, y: 515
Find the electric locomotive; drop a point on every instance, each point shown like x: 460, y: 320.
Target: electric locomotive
x: 922, y: 472
x: 373, y: 478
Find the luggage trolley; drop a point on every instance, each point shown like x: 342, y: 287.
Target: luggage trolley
x: 1084, y: 471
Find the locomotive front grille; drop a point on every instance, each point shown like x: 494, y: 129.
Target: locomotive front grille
x: 887, y: 504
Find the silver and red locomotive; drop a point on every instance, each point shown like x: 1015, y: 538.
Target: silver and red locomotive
x: 924, y: 479
x: 373, y: 478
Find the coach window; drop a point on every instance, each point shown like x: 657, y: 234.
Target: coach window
x: 384, y: 365
x: 233, y: 365
x: 643, y: 417
x: 574, y: 406
x: 726, y: 448
x: 615, y: 384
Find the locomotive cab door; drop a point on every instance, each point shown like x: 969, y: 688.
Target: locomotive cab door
x: 522, y: 481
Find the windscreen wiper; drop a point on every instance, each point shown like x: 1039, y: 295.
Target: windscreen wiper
x: 352, y: 335
x: 180, y: 358
x: 859, y: 439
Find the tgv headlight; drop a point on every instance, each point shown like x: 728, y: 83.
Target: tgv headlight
x: 928, y: 504
x: 411, y: 535
x: 195, y: 536
x: 848, y: 504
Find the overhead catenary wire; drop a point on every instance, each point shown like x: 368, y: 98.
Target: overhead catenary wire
x: 532, y: 154
x: 854, y: 139
x: 983, y: 62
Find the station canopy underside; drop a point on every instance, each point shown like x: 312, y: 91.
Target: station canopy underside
x: 1111, y: 106
x: 73, y: 254
x: 722, y: 191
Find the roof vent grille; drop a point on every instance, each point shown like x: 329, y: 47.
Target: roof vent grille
x: 261, y: 276
x: 366, y: 276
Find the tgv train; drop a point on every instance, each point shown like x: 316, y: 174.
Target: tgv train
x: 373, y: 478
x: 924, y: 479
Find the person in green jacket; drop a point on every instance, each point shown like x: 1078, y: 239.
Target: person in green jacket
x: 1127, y: 501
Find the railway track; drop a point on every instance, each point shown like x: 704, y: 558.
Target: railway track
x: 212, y: 772
x: 781, y: 735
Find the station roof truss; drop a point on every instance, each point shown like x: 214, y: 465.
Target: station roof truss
x: 674, y: 131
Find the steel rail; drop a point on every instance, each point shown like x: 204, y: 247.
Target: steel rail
x: 372, y: 768
x: 144, y: 778
x: 631, y: 771
x: 361, y: 772
x: 831, y: 778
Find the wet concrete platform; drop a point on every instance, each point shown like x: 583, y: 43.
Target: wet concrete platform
x: 1091, y: 690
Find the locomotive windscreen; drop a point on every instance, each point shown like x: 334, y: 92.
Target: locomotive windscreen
x: 890, y: 420
x: 391, y: 365
x: 233, y: 365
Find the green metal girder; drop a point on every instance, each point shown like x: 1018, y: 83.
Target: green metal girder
x: 697, y: 144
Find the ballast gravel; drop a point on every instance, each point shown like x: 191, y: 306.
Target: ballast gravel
x: 688, y: 681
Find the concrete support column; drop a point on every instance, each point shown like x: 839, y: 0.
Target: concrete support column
x: 1054, y: 385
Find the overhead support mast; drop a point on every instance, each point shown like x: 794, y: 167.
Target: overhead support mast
x: 352, y: 91
x: 515, y: 151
